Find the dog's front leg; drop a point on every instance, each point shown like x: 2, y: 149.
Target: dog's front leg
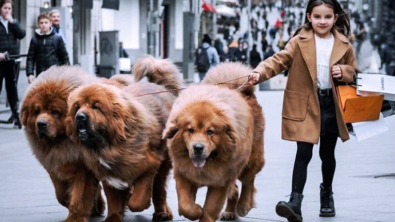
x: 83, y: 192
x: 116, y: 200
x: 186, y: 193
x: 142, y: 192
x: 215, y: 200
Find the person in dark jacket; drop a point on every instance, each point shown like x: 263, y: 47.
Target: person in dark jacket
x: 10, y: 32
x: 269, y: 52
x: 122, y: 51
x: 255, y: 57
x: 46, y: 49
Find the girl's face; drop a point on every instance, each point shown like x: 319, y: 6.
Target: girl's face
x: 322, y: 19
x: 6, y: 10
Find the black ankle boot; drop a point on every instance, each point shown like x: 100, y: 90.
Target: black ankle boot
x: 327, y: 202
x: 291, y: 209
x: 11, y: 119
x: 17, y: 121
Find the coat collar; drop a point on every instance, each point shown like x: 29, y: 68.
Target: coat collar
x: 308, y: 50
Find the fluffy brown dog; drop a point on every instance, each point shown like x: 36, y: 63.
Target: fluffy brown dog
x: 215, y: 137
x: 43, y: 114
x: 120, y: 135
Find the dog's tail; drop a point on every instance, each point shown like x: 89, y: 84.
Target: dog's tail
x: 233, y: 75
x: 159, y: 71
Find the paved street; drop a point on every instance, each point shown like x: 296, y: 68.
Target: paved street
x: 363, y: 185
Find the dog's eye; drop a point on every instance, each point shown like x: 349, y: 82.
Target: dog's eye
x: 77, y: 107
x: 94, y: 106
x: 55, y: 113
x: 210, y: 132
x: 36, y: 111
x: 190, y: 130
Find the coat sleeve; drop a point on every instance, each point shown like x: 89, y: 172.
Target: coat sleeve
x: 17, y: 29
x: 350, y: 68
x: 64, y: 56
x: 31, y: 58
x: 277, y: 63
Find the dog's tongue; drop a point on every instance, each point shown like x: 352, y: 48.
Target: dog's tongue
x: 198, y: 162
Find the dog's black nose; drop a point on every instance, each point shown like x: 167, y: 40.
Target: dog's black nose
x: 198, y: 148
x: 42, y: 125
x: 81, y: 117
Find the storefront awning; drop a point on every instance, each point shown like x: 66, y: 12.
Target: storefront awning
x: 208, y: 7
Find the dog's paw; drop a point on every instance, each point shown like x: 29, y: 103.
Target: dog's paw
x: 162, y: 216
x: 192, y: 212
x: 242, y: 211
x: 229, y: 215
x: 114, y: 218
x: 76, y: 219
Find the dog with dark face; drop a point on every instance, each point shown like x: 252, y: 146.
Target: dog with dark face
x: 215, y: 136
x: 119, y: 130
x: 43, y: 114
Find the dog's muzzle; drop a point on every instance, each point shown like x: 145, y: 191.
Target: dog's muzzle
x: 82, y: 123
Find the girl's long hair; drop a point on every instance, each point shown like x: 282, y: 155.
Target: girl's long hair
x: 342, y: 23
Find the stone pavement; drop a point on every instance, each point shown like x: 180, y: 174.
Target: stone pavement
x: 363, y: 185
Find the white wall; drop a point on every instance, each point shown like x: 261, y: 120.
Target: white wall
x: 126, y: 21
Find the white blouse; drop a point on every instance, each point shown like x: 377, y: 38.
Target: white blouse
x: 323, y: 49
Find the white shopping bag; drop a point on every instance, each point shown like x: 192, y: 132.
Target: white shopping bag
x: 368, y: 84
x: 368, y: 129
x: 124, y: 64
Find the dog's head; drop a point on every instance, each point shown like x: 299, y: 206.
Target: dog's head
x: 201, y: 131
x: 44, y: 110
x: 96, y: 116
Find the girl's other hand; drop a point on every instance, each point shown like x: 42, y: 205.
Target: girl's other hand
x: 253, y: 78
x: 337, y: 72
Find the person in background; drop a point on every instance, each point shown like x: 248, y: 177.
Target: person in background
x: 55, y: 19
x: 310, y: 115
x: 269, y: 52
x: 212, y: 56
x: 122, y: 51
x: 46, y: 49
x: 10, y: 32
x: 255, y: 57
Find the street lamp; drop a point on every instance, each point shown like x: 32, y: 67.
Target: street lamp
x: 46, y: 4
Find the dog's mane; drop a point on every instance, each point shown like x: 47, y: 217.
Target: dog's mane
x: 228, y: 71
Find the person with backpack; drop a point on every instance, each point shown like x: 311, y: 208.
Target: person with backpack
x: 206, y: 57
x: 46, y: 49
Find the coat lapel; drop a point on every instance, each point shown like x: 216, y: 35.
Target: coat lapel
x: 340, y: 47
x: 307, y: 48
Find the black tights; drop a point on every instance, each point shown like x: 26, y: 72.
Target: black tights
x: 303, y: 157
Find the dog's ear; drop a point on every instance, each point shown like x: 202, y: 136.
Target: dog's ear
x: 170, y: 131
x: 24, y: 114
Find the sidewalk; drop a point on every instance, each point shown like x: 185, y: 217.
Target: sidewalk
x: 363, y: 185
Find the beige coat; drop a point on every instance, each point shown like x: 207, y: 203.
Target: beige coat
x: 301, y: 111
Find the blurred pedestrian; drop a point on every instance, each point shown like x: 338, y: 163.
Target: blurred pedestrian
x: 206, y: 56
x: 55, y: 19
x: 269, y: 52
x: 242, y: 52
x: 10, y: 32
x: 233, y: 50
x: 255, y: 57
x: 46, y: 49
x: 122, y: 51
x: 264, y: 44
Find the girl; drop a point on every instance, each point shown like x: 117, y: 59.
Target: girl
x: 10, y: 32
x: 318, y: 57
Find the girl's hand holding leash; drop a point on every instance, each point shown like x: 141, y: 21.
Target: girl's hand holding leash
x: 337, y: 72
x: 253, y: 78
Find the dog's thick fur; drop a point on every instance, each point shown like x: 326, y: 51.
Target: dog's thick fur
x: 43, y: 114
x: 215, y: 136
x: 119, y: 130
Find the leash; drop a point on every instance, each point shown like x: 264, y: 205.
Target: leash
x: 244, y: 85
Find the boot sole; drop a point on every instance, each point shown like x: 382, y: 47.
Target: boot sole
x: 285, y: 211
x: 327, y: 214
